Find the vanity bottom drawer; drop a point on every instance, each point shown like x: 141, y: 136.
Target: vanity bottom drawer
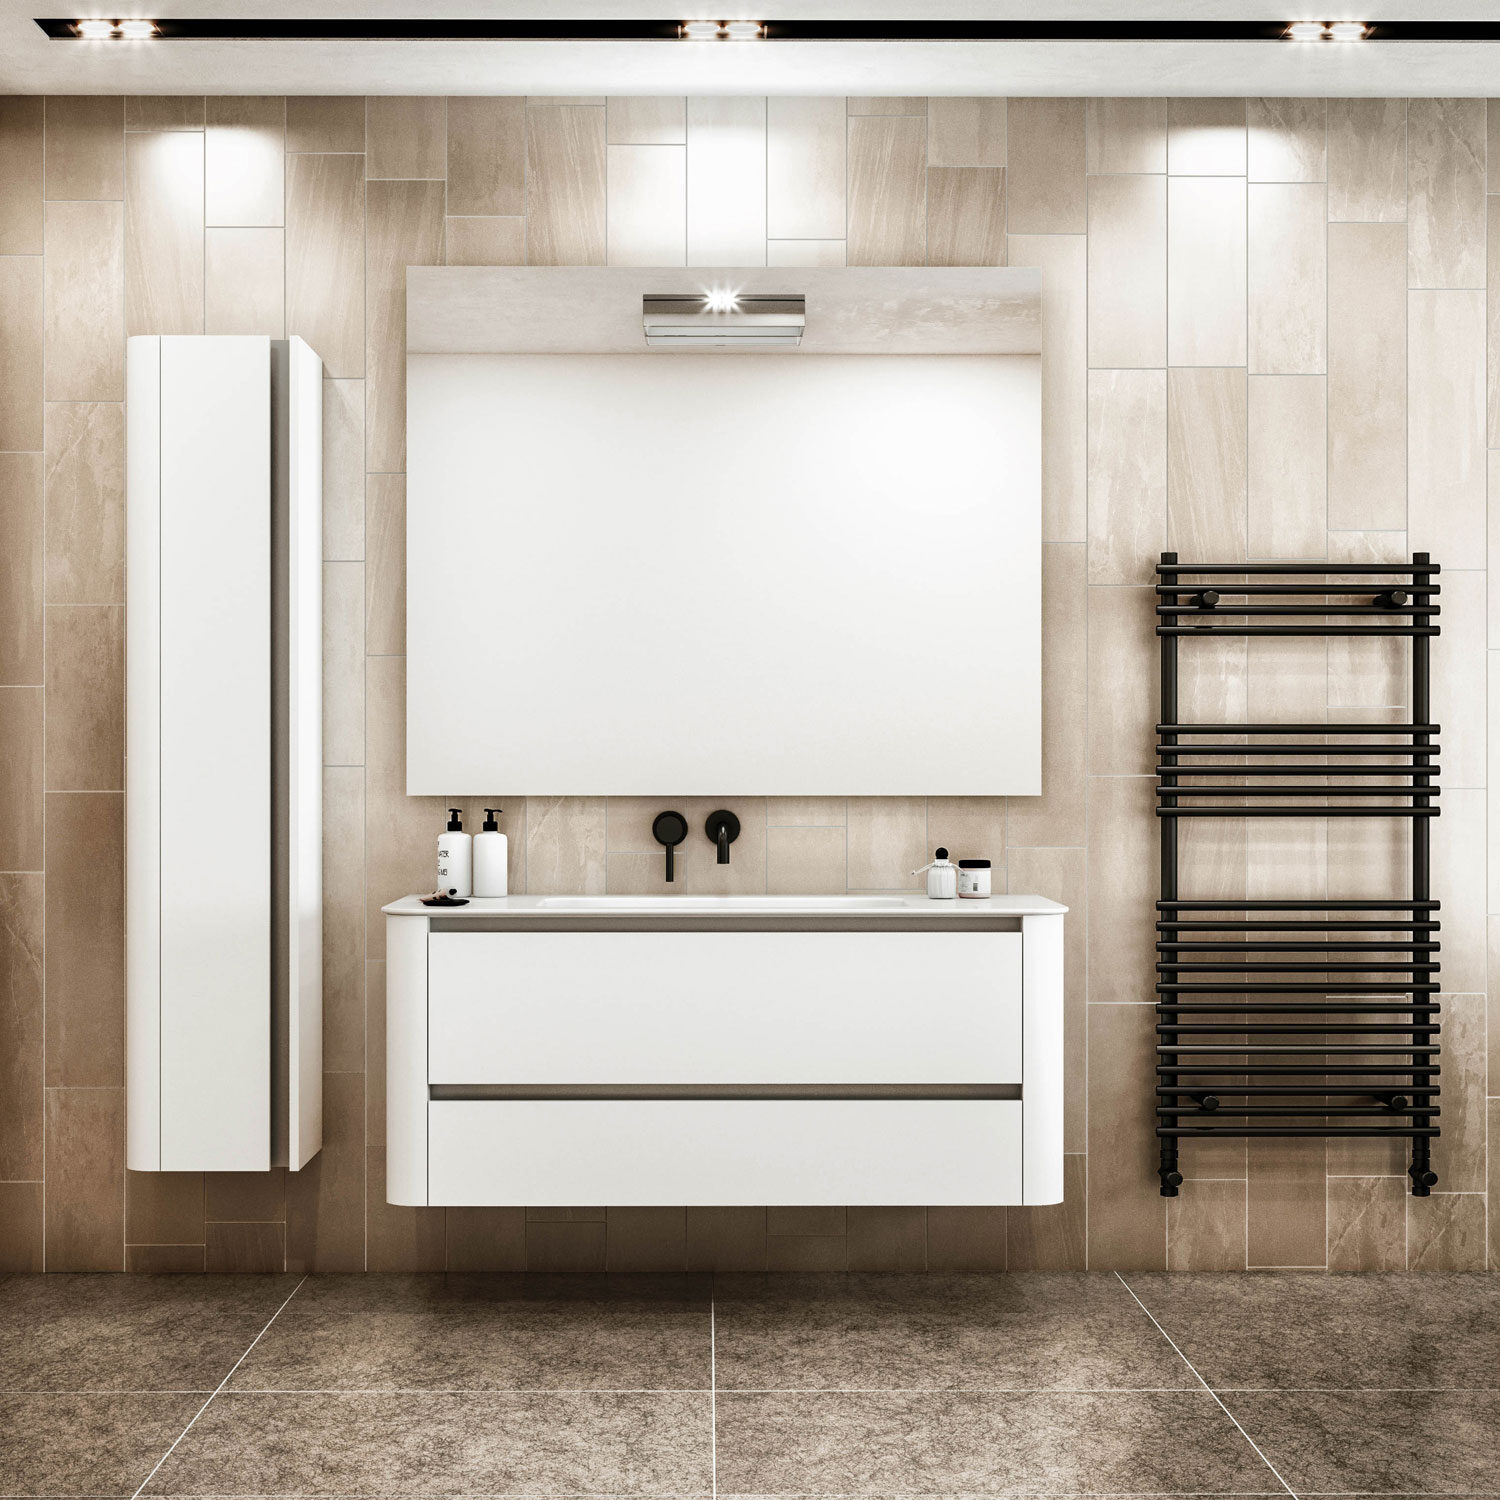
x: 724, y: 1151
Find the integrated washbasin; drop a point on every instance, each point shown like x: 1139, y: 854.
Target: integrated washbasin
x: 721, y: 903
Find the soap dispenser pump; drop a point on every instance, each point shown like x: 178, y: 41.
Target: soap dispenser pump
x: 491, y: 857
x: 455, y: 858
x: 942, y: 877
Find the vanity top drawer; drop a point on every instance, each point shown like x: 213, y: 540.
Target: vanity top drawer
x: 724, y: 1007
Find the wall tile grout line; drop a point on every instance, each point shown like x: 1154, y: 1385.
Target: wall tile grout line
x: 713, y: 1399
x: 1206, y: 1386
x: 225, y: 1381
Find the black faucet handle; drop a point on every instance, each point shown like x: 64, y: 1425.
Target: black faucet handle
x: 669, y: 829
x: 722, y: 828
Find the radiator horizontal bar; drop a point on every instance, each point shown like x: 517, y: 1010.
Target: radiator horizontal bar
x: 1401, y: 632
x: 1232, y: 966
x: 1389, y: 611
x: 1412, y: 728
x: 1302, y: 570
x: 1302, y: 748
x: 1234, y: 590
x: 1193, y: 1111
x: 1299, y: 1028
x: 580, y: 1091
x: 1319, y: 769
x: 1278, y: 1049
x: 1298, y: 812
x: 1294, y: 791
x: 1299, y: 926
x: 1395, y: 1133
x: 1298, y: 1089
x: 1327, y: 945
x: 1297, y: 987
x: 1301, y: 1007
x: 1261, y: 903
x: 1278, y: 1070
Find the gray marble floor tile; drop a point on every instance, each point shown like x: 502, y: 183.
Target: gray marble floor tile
x: 130, y: 1333
x: 1374, y: 1331
x: 1017, y: 1332
x: 1333, y: 1442
x: 86, y: 1445
x: 969, y: 1442
x: 424, y: 1445
x: 571, y: 1346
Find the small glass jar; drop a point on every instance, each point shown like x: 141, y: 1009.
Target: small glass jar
x: 974, y: 878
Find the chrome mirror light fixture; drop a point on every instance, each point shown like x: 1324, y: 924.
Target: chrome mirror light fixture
x: 97, y: 29
x: 1327, y: 31
x: 721, y: 31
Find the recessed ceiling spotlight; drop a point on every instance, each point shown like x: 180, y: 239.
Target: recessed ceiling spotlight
x: 136, y: 31
x: 1348, y: 31
x: 744, y: 31
x: 94, y: 30
x: 699, y: 31
x: 1306, y: 31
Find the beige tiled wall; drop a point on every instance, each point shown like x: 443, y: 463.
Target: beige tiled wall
x: 1266, y: 336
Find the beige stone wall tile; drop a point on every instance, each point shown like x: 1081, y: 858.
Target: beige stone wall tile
x: 645, y: 1239
x: 20, y: 1028
x: 1123, y: 659
x: 1052, y: 1237
x: 887, y: 105
x: 1445, y: 170
x: 384, y: 572
x: 1288, y: 270
x: 966, y: 132
x: 565, y: 187
x: 887, y: 1239
x: 553, y: 1247
x: 20, y: 778
x: 85, y: 1199
x: 21, y: 568
x: 406, y: 137
x: 726, y: 182
x: 325, y: 1201
x: 804, y: 861
x: 343, y: 470
x: 1127, y: 271
x: 486, y: 1240
x: 966, y: 1239
x: 1206, y: 137
x: 244, y: 161
x: 642, y: 120
x: 1287, y: 1209
x: 1127, y: 474
x: 1446, y: 1232
x: 404, y: 227
x: 85, y: 143
x: 1445, y: 376
x: 1458, y: 1155
x: 565, y: 838
x: 85, y: 686
x: 806, y: 155
x: 646, y: 206
x: 344, y: 919
x: 1493, y: 221
x: 1205, y: 271
x: 887, y: 841
x: 344, y: 662
x: 325, y: 122
x: 1127, y: 1217
x: 485, y: 241
x: 21, y: 320
x: 805, y: 252
x: 1206, y: 1226
x: 1287, y: 473
x: 164, y: 237
x: 1458, y: 677
x: 1063, y: 260
x: 966, y: 216
x: 83, y: 297
x: 1127, y: 135
x: 1287, y: 139
x: 969, y: 828
x: 1367, y: 377
x: 806, y: 812
x: 1207, y: 462
x: 809, y: 1254
x: 325, y: 259
x: 1122, y: 842
x: 164, y: 111
x: 20, y: 1226
x: 20, y: 175
x: 245, y: 282
x: 1046, y: 160
x: 84, y: 479
x: 486, y: 156
x: 1366, y: 1224
x: 1057, y: 816
x: 887, y: 190
x: 1367, y: 160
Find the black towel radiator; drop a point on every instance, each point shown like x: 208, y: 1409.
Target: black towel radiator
x: 1366, y: 982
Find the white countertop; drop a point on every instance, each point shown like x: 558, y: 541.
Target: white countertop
x: 904, y: 905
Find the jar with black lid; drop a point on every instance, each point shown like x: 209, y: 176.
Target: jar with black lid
x: 974, y: 878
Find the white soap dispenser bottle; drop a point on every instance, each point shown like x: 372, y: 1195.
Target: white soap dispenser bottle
x: 455, y: 858
x: 491, y: 857
x: 942, y: 877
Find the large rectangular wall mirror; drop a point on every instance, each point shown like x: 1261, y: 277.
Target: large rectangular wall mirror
x: 636, y: 571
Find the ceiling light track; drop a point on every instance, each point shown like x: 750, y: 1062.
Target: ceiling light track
x: 436, y: 28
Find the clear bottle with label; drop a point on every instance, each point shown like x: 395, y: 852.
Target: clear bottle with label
x: 491, y: 858
x: 455, y: 867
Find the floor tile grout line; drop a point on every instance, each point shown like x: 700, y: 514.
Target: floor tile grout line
x: 1206, y: 1386
x: 225, y: 1381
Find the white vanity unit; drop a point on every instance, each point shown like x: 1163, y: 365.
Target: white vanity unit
x: 702, y: 1050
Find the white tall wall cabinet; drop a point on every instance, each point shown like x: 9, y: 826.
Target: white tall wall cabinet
x: 223, y: 753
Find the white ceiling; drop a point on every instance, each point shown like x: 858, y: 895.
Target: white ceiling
x: 31, y: 64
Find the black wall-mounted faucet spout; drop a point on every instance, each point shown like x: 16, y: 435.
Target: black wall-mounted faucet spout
x: 722, y: 828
